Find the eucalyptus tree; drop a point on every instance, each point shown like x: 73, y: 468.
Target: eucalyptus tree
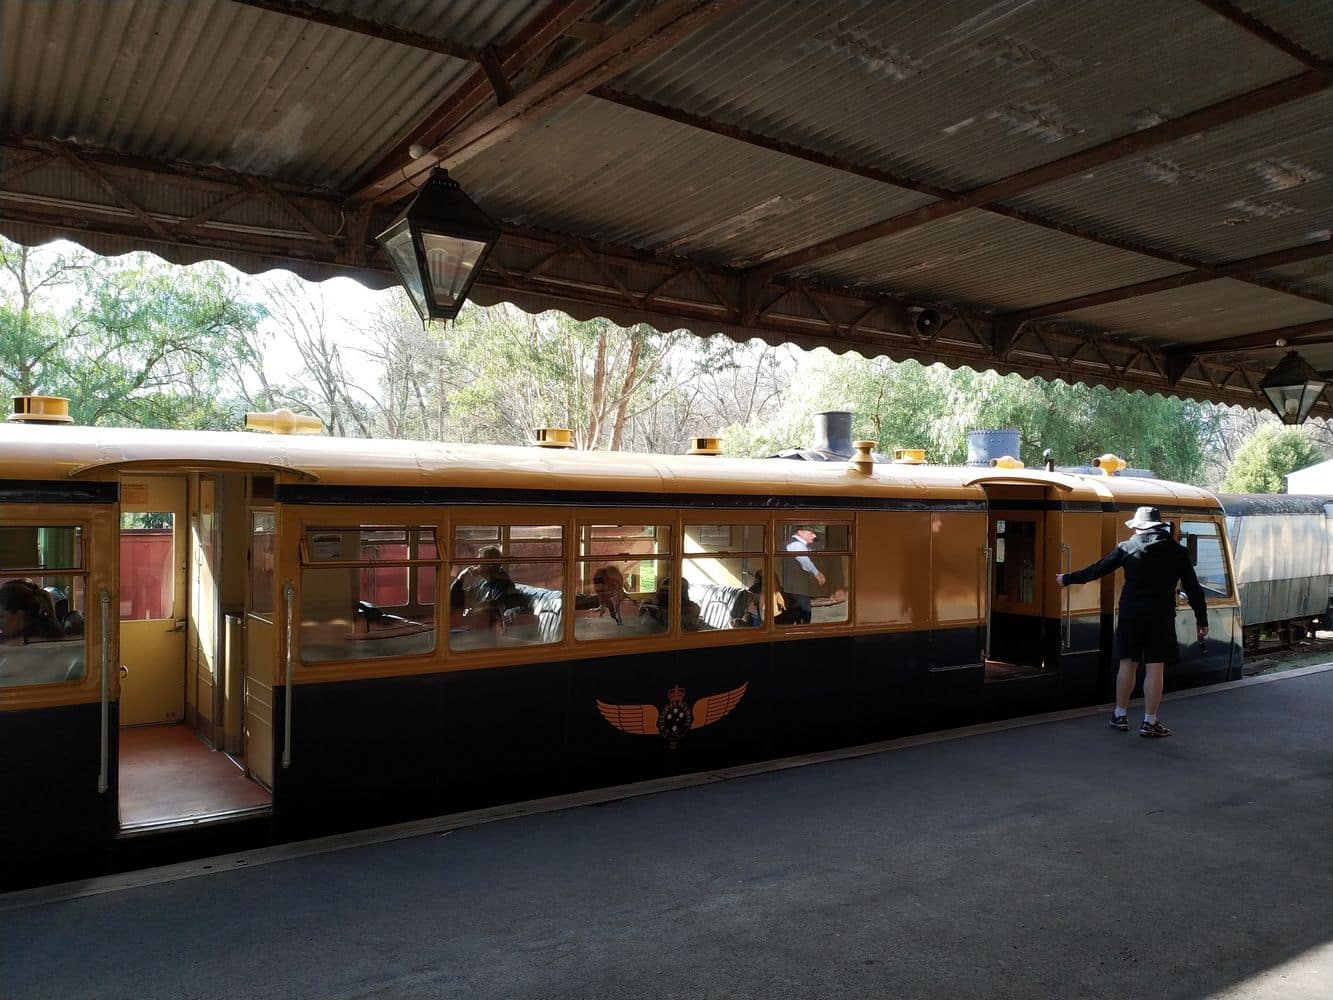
x: 130, y: 340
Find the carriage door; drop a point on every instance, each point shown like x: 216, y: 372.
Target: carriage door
x: 1031, y: 535
x: 154, y: 564
x: 1017, y: 536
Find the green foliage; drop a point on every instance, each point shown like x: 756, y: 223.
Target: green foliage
x: 130, y: 340
x: 906, y: 405
x: 1267, y: 457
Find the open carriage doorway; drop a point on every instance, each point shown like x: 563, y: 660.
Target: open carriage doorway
x: 175, y: 586
x: 1027, y: 630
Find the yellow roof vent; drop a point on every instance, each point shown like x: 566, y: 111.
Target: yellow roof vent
x: 41, y: 410
x: 1109, y: 464
x: 705, y: 446
x: 909, y: 456
x: 283, y: 421
x: 555, y: 437
x: 863, y: 456
x: 1005, y: 462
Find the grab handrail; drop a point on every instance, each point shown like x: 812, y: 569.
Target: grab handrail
x: 1067, y: 560
x: 103, y: 774
x: 988, y: 556
x: 289, y: 595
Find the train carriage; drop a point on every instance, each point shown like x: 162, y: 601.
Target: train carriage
x: 306, y: 651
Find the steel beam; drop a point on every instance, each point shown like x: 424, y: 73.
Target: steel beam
x: 363, y: 26
x: 1236, y: 268
x: 476, y: 91
x: 1319, y: 331
x: 642, y: 38
x: 1234, y: 109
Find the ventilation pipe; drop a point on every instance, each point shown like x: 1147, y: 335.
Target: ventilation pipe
x: 863, y: 461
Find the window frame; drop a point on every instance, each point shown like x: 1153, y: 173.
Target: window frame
x: 779, y: 537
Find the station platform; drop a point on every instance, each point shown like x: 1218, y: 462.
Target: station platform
x: 1040, y: 857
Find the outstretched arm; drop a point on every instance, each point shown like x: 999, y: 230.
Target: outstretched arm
x: 1108, y: 563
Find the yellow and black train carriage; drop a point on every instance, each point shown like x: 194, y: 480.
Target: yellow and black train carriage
x: 236, y: 637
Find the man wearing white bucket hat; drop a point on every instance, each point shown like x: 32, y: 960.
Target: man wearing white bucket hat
x: 1146, y: 627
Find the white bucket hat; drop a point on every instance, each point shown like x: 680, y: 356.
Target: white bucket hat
x: 1146, y: 517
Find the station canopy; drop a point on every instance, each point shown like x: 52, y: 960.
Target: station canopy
x: 1137, y: 195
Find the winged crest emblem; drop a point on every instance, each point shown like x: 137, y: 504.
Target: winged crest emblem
x: 674, y: 719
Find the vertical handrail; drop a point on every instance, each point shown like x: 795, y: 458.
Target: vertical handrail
x: 104, y: 772
x: 289, y: 595
x: 1067, y: 560
x: 988, y: 555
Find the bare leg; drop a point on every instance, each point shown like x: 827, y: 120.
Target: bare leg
x: 1124, y: 683
x: 1152, y: 688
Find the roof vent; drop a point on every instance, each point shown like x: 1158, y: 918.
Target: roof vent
x: 1005, y: 462
x: 1109, y: 464
x: 705, y: 446
x: 41, y: 410
x: 555, y: 437
x: 909, y: 456
x: 283, y: 421
x: 863, y: 459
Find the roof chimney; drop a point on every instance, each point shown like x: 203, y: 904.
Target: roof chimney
x: 833, y: 432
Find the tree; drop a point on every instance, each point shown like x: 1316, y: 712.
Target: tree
x: 130, y: 340
x: 1263, y: 462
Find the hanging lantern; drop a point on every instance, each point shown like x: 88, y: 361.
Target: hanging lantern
x: 1292, y: 388
x: 438, y: 246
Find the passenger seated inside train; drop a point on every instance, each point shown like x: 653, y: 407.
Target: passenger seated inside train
x: 34, y: 645
x: 485, y: 591
x: 659, y: 609
x: 28, y: 613
x: 608, y: 596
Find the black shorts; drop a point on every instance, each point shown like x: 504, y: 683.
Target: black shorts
x: 1147, y: 638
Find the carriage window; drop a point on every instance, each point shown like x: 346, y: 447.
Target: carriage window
x: 42, y: 592
x: 367, y: 592
x: 261, y: 563
x: 1205, y: 549
x: 147, y: 566
x: 814, y: 572
x: 624, y: 583
x: 722, y: 577
x: 507, y: 586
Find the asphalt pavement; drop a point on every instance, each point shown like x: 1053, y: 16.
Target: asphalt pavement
x: 1052, y: 858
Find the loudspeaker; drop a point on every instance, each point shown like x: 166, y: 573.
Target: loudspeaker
x: 926, y: 321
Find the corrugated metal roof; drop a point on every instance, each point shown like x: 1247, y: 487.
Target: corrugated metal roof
x: 217, y: 83
x: 1261, y: 184
x: 1202, y: 313
x: 987, y: 261
x: 1309, y: 23
x: 956, y: 94
x: 603, y: 171
x: 952, y: 95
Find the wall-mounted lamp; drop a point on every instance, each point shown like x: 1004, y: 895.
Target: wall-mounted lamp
x: 438, y: 246
x: 1292, y: 388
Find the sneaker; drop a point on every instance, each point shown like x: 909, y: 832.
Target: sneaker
x: 1154, y: 730
x: 1120, y: 723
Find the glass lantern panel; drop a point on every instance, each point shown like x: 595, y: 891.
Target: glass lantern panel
x: 449, y: 263
x: 403, y: 257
